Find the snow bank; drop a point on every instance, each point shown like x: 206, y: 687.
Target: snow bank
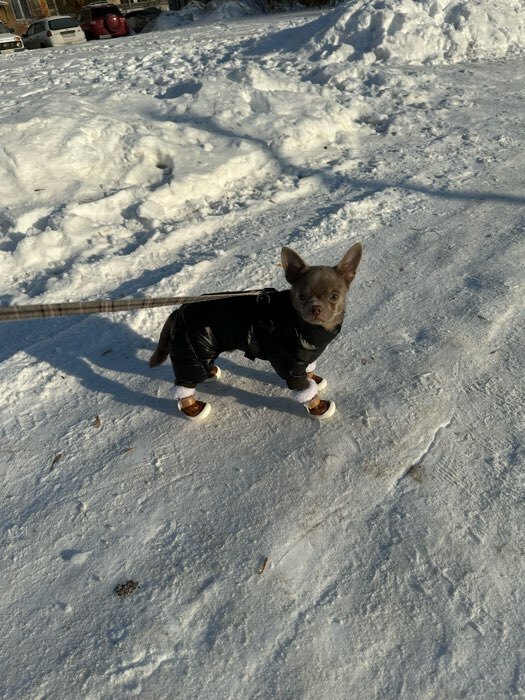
x: 269, y: 122
x: 406, y: 31
x: 180, y: 151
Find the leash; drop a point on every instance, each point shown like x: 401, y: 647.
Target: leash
x: 104, y: 306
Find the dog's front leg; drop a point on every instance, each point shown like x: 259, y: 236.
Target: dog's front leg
x: 320, y: 381
x: 320, y: 408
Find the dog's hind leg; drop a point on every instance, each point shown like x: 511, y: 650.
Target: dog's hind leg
x: 162, y: 349
x: 214, y: 375
x: 192, y: 408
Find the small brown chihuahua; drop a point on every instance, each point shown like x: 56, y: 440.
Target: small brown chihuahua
x: 288, y: 328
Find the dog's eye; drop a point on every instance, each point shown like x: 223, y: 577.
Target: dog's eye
x: 301, y: 297
x: 334, y: 297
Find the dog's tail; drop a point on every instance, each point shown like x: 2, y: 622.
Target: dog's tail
x: 162, y: 349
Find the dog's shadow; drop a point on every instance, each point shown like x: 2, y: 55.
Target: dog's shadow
x: 95, y: 350
x: 98, y: 351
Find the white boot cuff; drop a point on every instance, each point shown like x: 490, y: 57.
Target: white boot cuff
x: 306, y: 395
x: 181, y: 392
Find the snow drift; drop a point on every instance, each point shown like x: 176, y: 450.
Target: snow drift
x: 410, y: 31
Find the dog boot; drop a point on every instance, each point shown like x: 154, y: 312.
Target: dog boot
x: 320, y: 409
x: 214, y: 375
x: 193, y: 409
x: 316, y: 407
x: 310, y: 373
x: 188, y: 404
x: 320, y: 381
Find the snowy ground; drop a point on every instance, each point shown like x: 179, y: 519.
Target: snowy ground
x: 180, y: 162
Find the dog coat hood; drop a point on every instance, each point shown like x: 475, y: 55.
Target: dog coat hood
x: 265, y: 326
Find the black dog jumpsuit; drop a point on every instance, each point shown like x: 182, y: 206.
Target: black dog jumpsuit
x: 265, y: 326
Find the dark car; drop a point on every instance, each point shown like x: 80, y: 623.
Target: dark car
x: 137, y: 19
x: 102, y: 21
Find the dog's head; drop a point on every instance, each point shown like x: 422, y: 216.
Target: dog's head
x: 319, y: 291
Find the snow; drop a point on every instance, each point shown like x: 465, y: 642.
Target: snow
x: 412, y: 31
x: 179, y: 162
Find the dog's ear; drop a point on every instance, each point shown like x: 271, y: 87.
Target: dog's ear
x: 294, y: 266
x: 347, y: 267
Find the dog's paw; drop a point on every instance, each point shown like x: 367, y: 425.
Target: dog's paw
x: 197, y: 411
x: 320, y: 381
x: 323, y: 410
x: 214, y: 375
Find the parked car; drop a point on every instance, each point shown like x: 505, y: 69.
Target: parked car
x: 9, y: 42
x: 102, y: 21
x: 137, y: 19
x: 60, y: 30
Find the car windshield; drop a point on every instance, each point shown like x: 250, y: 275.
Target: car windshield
x: 62, y: 23
x: 4, y: 29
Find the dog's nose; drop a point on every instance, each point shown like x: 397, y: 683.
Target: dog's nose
x: 316, y: 310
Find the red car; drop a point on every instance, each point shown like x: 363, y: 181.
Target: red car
x: 102, y: 21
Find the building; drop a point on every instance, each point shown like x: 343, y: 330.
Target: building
x: 16, y: 14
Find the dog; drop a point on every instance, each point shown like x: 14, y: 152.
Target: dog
x: 289, y: 328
